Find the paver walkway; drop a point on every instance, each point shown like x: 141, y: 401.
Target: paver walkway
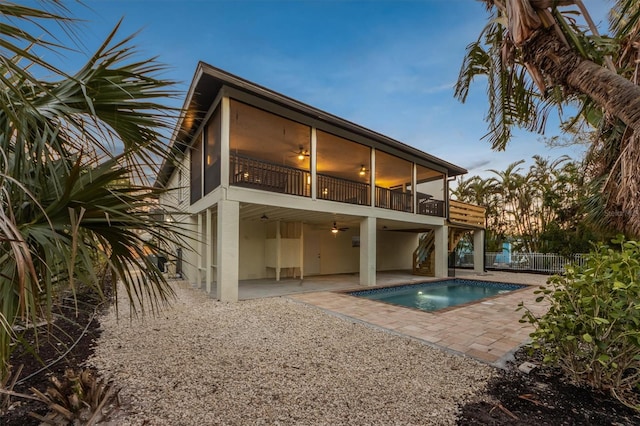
x: 488, y: 331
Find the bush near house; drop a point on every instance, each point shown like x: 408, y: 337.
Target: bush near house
x: 592, y: 329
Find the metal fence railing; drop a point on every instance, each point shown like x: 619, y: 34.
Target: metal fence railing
x: 537, y: 262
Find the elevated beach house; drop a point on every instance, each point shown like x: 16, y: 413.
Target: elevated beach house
x: 271, y: 187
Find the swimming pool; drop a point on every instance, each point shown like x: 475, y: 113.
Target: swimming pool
x: 436, y: 295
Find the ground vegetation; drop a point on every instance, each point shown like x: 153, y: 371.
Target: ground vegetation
x: 76, y: 151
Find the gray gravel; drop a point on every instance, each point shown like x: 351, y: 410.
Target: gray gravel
x: 276, y: 362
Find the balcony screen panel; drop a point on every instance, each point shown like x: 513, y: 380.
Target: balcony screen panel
x: 261, y: 135
x: 340, y: 157
x: 430, y: 182
x: 393, y: 182
x: 195, y: 168
x: 430, y: 191
x: 344, y: 169
x: 212, y: 152
x: 393, y: 172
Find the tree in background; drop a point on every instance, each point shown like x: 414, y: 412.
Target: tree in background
x: 75, y: 150
x: 536, y: 57
x: 540, y: 210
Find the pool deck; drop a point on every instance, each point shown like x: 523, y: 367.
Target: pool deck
x: 488, y: 330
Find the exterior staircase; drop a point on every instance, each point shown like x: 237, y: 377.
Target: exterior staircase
x: 424, y: 255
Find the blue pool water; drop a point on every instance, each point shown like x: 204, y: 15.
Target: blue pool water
x: 437, y: 295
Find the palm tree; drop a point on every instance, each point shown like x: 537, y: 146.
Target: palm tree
x: 74, y: 153
x: 536, y: 57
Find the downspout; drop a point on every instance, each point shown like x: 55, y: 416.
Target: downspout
x: 446, y: 198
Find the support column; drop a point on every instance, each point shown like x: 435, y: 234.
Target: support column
x: 208, y: 241
x: 228, y: 250
x: 301, y: 251
x: 368, y: 251
x: 278, y: 251
x: 478, y: 251
x: 441, y: 235
x: 199, y: 243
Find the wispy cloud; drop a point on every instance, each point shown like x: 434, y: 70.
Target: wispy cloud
x: 477, y: 164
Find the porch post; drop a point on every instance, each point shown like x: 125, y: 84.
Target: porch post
x: 208, y: 264
x: 368, y: 251
x: 199, y: 244
x: 441, y: 235
x: 278, y: 251
x: 478, y: 251
x: 228, y: 250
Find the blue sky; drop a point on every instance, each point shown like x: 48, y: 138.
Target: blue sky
x: 387, y: 65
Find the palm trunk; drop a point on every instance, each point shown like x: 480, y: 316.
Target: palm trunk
x: 565, y: 68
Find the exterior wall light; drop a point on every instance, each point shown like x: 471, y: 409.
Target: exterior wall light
x: 362, y: 170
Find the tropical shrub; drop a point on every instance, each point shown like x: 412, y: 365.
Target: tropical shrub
x: 79, y: 398
x: 592, y: 328
x: 76, y: 151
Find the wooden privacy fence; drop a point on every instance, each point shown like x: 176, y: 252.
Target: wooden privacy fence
x: 466, y: 214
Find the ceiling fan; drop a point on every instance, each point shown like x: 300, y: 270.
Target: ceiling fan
x: 335, y: 229
x: 301, y: 153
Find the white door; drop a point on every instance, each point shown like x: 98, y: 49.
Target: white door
x: 311, y: 252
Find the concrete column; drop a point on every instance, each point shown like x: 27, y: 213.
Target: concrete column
x: 199, y: 243
x: 228, y: 250
x: 441, y: 235
x: 368, y: 251
x: 278, y: 251
x: 478, y: 251
x: 301, y: 251
x: 190, y: 257
x: 208, y: 242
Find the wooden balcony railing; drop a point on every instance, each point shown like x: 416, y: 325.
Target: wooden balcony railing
x: 466, y: 214
x: 259, y: 174
x: 343, y: 190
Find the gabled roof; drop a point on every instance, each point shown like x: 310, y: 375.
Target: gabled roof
x: 207, y: 82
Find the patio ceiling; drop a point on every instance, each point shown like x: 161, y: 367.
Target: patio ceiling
x: 256, y: 212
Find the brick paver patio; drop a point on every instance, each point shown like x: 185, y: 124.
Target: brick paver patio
x: 488, y: 330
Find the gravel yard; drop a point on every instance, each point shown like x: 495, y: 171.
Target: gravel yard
x: 275, y: 361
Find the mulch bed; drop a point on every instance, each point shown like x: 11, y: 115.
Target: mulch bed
x: 543, y: 397
x: 74, y: 331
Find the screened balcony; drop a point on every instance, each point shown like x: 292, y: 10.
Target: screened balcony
x: 272, y: 153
